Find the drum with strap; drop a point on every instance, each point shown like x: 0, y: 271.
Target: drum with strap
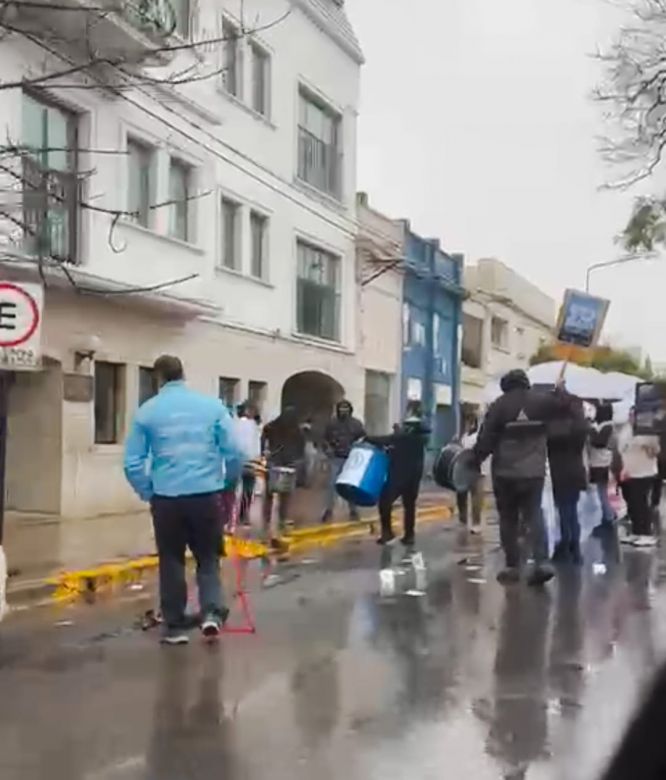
x: 363, y: 475
x: 455, y: 468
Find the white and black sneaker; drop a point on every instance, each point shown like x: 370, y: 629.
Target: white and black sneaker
x: 212, y: 624
x: 645, y: 541
x: 174, y: 636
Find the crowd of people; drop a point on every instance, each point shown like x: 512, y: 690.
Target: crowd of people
x: 190, y: 458
x: 554, y: 440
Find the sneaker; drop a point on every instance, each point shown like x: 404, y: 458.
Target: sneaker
x: 212, y: 624
x: 476, y: 530
x: 386, y: 539
x: 174, y: 636
x: 509, y: 575
x: 628, y: 539
x: 540, y: 575
x: 645, y: 541
x: 407, y: 540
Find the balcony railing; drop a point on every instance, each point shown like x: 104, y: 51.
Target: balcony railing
x: 318, y: 163
x: 50, y: 212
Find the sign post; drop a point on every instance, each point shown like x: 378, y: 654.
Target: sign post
x: 21, y: 306
x: 580, y: 322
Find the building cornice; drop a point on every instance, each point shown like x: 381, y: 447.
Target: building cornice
x: 331, y: 18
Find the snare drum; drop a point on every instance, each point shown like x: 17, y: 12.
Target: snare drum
x: 281, y: 479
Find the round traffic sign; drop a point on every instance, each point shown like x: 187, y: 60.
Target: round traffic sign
x: 19, y: 315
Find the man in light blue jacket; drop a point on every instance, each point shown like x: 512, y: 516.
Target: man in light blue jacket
x: 180, y: 447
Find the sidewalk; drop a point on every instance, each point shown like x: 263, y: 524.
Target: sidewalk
x: 42, y: 550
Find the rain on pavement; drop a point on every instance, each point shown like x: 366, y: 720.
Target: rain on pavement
x: 340, y: 682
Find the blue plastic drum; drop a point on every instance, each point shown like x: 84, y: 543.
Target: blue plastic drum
x: 363, y: 475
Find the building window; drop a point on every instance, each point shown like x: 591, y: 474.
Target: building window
x: 181, y: 11
x: 108, y: 402
x: 228, y: 391
x: 231, y: 75
x: 499, y: 333
x: 259, y: 234
x: 139, y: 175
x: 261, y: 64
x: 318, y: 151
x: 49, y: 180
x: 256, y: 394
x: 147, y: 384
x: 180, y: 175
x: 418, y: 334
x: 231, y: 244
x: 406, y: 325
x: 318, y: 292
x: 472, y: 344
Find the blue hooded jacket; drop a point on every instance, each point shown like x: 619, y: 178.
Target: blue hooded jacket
x: 181, y: 444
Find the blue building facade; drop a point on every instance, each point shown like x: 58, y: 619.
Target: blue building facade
x: 432, y: 325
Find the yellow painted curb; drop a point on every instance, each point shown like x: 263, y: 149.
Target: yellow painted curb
x: 70, y: 585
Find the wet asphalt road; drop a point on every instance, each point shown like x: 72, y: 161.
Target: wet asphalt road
x: 470, y: 680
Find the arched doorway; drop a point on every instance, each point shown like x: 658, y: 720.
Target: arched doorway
x: 313, y: 394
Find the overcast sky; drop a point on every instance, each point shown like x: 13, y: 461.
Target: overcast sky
x: 477, y: 124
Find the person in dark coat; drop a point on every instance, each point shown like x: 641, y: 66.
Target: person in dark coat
x: 342, y: 432
x: 567, y: 437
x: 406, y: 451
x: 283, y: 442
x: 514, y: 432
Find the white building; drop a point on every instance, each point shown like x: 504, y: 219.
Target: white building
x: 252, y: 157
x: 505, y: 320
x: 380, y: 261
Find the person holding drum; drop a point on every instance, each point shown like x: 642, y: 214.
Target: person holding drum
x: 341, y: 433
x: 283, y: 443
x: 406, y: 451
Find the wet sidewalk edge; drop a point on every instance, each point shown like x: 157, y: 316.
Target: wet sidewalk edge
x: 64, y: 586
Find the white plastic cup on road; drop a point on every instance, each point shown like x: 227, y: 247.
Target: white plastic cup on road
x: 387, y: 582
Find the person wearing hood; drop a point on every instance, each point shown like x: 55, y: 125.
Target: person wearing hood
x: 406, y: 450
x: 340, y: 435
x: 514, y: 432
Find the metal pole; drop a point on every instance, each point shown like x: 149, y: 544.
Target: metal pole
x: 618, y: 261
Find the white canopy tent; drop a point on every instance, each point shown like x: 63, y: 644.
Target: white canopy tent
x: 582, y: 381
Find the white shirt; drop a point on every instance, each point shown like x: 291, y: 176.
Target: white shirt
x: 248, y: 436
x: 639, y: 453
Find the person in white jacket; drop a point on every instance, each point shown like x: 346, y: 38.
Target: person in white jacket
x: 248, y: 435
x: 639, y: 469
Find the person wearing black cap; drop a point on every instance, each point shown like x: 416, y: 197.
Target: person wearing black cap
x: 515, y: 433
x: 406, y: 449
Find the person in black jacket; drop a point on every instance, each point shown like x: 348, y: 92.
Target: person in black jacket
x: 566, y: 443
x: 405, y: 448
x: 514, y: 432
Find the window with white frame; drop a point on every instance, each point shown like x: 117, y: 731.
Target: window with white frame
x: 406, y: 325
x: 231, y: 234
x: 259, y: 244
x: 260, y: 73
x: 140, y: 158
x: 318, y: 145
x: 318, y: 292
x: 232, y: 74
x: 181, y: 12
x: 180, y: 193
x: 499, y: 333
x: 49, y: 179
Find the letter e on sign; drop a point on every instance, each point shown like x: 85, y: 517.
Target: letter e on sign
x: 21, y: 305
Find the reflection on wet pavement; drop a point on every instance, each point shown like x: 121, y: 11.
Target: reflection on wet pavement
x: 470, y: 678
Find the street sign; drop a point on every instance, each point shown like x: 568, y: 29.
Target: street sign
x: 581, y: 319
x: 21, y: 306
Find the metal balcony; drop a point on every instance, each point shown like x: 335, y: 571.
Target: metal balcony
x: 122, y: 31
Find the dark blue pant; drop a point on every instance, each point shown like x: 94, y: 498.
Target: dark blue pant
x: 566, y: 502
x: 182, y: 522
